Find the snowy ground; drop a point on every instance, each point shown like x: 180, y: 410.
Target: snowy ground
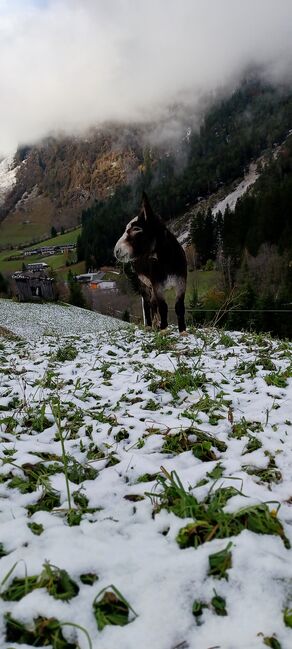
x: 32, y: 321
x: 133, y: 407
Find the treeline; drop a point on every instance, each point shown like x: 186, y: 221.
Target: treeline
x: 253, y: 248
x: 102, y: 226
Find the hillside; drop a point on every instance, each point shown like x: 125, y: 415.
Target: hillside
x: 58, y: 178
x: 176, y: 512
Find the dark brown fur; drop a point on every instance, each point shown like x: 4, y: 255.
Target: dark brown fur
x: 159, y: 261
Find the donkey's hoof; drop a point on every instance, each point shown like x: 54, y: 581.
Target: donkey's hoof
x: 183, y: 333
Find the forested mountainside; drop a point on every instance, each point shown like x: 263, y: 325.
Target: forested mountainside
x: 61, y: 177
x: 234, y: 132
x: 252, y: 246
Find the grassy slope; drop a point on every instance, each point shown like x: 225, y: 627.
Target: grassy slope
x: 14, y: 231
x: 57, y: 262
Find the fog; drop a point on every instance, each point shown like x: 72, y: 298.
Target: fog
x: 66, y: 65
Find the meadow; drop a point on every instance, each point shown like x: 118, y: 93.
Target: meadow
x: 145, y: 483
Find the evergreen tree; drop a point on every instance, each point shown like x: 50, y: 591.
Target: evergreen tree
x: 76, y: 296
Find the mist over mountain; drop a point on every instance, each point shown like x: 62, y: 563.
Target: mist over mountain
x: 66, y: 66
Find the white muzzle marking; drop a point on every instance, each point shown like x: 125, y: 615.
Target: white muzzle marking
x: 122, y: 250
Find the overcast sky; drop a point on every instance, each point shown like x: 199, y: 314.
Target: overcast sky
x: 68, y: 64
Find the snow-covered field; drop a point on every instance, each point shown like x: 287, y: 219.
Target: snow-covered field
x: 156, y: 434
x: 33, y: 321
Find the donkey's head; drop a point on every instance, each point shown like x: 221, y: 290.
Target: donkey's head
x: 140, y: 235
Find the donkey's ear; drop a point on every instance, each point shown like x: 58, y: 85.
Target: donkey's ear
x: 148, y: 212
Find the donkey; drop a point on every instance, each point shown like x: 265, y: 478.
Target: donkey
x: 159, y: 261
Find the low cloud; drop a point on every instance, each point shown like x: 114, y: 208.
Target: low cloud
x: 66, y: 65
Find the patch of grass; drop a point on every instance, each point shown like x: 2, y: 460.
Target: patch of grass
x: 220, y: 562
x: 181, y: 442
x: 48, y: 501
x: 23, y: 485
x: 35, y: 475
x: 198, y: 609
x: 77, y: 472
x: 226, y: 340
x: 36, y: 419
x: 242, y: 428
x: 250, y: 368
x: 269, y: 475
x: 217, y: 472
x: 253, y: 444
x: 266, y: 363
x: 112, y: 460
x: 88, y: 578
x: 66, y: 353
x: 19, y: 588
x: 10, y: 424
x: 161, y: 343
x: 122, y: 434
x: 151, y: 405
x: 174, y: 382
x: 36, y: 528
x: 94, y: 452
x: 111, y: 608
x: 147, y: 477
x: 56, y: 581
x: 210, y: 519
x: 219, y: 604
x: 287, y: 616
x: 47, y: 631
x: 278, y: 379
x: 203, y: 451
x: 272, y: 642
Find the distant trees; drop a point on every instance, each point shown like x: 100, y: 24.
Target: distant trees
x: 76, y: 296
x: 204, y: 233
x: 102, y: 225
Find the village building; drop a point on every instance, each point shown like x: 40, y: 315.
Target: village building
x: 34, y: 285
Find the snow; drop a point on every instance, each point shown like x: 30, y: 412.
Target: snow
x: 123, y: 542
x: 8, y: 172
x: 52, y: 319
x: 233, y: 197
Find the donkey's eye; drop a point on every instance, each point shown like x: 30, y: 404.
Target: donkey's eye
x: 135, y: 229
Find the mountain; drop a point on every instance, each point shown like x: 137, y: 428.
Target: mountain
x: 52, y: 182
x: 179, y: 159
